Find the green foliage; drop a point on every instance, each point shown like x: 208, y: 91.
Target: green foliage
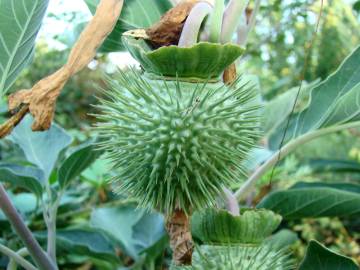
x: 314, y: 201
x: 329, y: 165
x: 333, y: 102
x: 263, y: 257
x: 281, y: 239
x: 319, y: 257
x: 135, y: 14
x: 85, y: 241
x: 250, y: 227
x: 26, y: 177
x: 41, y: 148
x: 174, y: 143
x: 276, y: 50
x: 78, y: 161
x: 132, y: 229
x: 20, y: 22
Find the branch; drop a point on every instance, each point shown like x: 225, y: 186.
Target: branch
x: 39, y: 256
x: 12, y: 265
x: 14, y: 256
x: 41, y: 98
x: 288, y: 148
x: 9, y: 125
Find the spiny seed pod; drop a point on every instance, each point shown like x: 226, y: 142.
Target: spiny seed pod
x: 176, y: 144
x: 263, y: 257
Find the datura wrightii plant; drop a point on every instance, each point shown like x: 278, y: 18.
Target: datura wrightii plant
x: 177, y: 133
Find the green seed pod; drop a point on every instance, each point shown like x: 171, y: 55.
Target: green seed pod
x: 243, y: 257
x: 214, y: 226
x: 176, y: 144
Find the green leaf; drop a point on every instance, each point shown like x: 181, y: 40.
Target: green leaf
x: 328, y: 165
x: 340, y: 186
x: 149, y: 235
x: 81, y: 158
x: 20, y: 22
x: 97, y: 173
x: 118, y: 223
x: 299, y: 203
x: 135, y: 14
x: 25, y: 203
x: 319, y: 257
x: 86, y: 242
x: 356, y: 6
x: 335, y: 101
x: 135, y: 230
x: 26, y: 177
x: 282, y: 239
x: 41, y: 148
x: 278, y: 109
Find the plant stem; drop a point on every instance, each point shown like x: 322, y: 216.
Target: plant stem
x: 178, y: 227
x: 50, y: 215
x: 244, y: 30
x: 232, y: 17
x: 14, y: 256
x: 216, y: 21
x: 190, y: 33
x: 36, y: 252
x: 13, y: 263
x: 232, y: 204
x: 288, y: 148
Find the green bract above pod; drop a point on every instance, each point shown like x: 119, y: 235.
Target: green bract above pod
x: 220, y: 227
x: 203, y: 61
x: 262, y: 257
x: 176, y: 144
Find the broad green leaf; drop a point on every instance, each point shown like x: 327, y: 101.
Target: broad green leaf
x: 334, y: 101
x: 278, y: 109
x: 84, y: 241
x: 135, y: 14
x: 148, y: 232
x: 118, y: 223
x: 328, y: 165
x: 25, y: 203
x: 20, y: 21
x: 26, y: 177
x: 282, y: 239
x: 299, y: 203
x: 81, y: 158
x: 319, y: 257
x: 135, y: 230
x: 340, y: 186
x: 41, y: 148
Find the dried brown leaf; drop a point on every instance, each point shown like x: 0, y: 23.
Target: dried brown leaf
x: 167, y: 31
x: 41, y: 99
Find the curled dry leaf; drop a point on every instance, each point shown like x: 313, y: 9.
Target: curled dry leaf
x: 167, y: 31
x: 41, y: 99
